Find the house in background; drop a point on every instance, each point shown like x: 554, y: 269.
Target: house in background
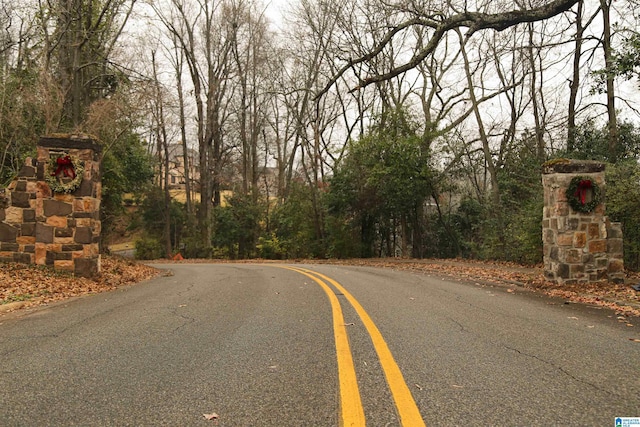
x: 177, y: 168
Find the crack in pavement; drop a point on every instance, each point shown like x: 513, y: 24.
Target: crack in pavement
x: 562, y: 370
x: 460, y: 325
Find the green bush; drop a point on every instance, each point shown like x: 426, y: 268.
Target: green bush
x: 270, y: 247
x: 149, y: 248
x: 623, y: 205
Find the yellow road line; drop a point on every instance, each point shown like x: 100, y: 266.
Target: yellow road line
x: 405, y: 404
x: 352, y: 412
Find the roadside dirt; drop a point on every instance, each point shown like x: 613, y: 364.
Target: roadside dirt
x: 24, y: 286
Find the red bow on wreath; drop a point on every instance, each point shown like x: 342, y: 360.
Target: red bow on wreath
x: 581, y: 191
x: 65, y: 165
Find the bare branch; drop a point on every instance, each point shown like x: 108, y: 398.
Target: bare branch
x: 474, y: 21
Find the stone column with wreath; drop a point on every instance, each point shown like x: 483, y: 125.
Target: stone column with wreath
x: 69, y: 235
x: 580, y: 244
x: 50, y: 213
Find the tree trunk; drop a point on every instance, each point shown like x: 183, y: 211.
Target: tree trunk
x: 486, y: 149
x: 183, y: 129
x: 608, y: 60
x: 574, y: 84
x: 163, y: 147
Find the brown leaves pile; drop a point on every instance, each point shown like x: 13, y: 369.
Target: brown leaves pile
x: 619, y: 297
x: 38, y: 285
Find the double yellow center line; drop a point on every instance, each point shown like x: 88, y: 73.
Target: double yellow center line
x: 352, y: 412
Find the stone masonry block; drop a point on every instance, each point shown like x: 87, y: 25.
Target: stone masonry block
x: 8, y: 233
x: 22, y: 258
x: 64, y: 232
x: 27, y: 171
x: 28, y: 229
x: 63, y: 197
x: 579, y: 240
x: 594, y: 231
x: 63, y: 265
x: 615, y: 247
x: 614, y: 230
x: 549, y: 236
x: 87, y: 267
x: 72, y: 247
x: 85, y: 189
x: 57, y: 208
x: 577, y: 269
x: 565, y: 239
x: 91, y: 251
x: 44, y: 233
x: 41, y: 253
x: 9, y: 247
x: 25, y: 240
x: 43, y: 190
x: 57, y: 221
x: 29, y: 215
x: 616, y: 266
x: 596, y: 246
x: 64, y: 240
x: 78, y: 205
x: 83, y: 235
x: 573, y: 256
x: 13, y: 215
x: 564, y: 271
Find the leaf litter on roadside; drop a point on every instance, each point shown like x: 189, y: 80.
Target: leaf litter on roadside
x: 619, y: 297
x: 39, y: 284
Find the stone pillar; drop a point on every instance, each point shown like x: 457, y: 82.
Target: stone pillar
x: 50, y: 215
x: 68, y: 229
x: 579, y: 247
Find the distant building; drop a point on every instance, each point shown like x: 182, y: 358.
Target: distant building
x: 177, y: 168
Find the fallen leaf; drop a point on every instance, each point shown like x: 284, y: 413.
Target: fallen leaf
x: 510, y: 291
x: 630, y: 325
x: 212, y: 416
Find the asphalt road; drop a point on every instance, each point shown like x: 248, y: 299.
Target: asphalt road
x: 256, y: 345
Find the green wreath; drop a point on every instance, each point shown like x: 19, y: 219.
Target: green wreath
x: 577, y: 191
x: 64, y: 173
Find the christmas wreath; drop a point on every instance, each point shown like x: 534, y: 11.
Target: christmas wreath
x: 64, y: 173
x: 577, y: 192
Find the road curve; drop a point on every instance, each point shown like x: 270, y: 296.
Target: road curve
x: 256, y: 345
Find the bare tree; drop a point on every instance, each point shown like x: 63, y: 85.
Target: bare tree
x: 612, y: 125
x: 81, y: 47
x: 160, y: 131
x: 441, y: 23
x: 201, y: 33
x: 251, y: 45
